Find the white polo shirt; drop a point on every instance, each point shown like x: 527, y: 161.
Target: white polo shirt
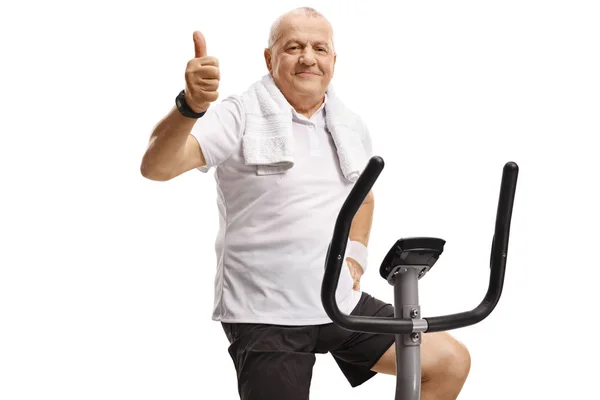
x: 274, y: 230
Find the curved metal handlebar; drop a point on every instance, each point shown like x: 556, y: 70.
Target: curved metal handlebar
x: 337, y: 249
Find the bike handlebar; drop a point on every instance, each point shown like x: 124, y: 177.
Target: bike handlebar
x: 337, y: 249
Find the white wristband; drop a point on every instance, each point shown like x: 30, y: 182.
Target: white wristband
x: 358, y: 252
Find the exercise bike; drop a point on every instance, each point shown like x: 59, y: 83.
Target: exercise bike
x: 406, y: 262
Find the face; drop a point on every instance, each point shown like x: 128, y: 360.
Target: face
x: 302, y: 59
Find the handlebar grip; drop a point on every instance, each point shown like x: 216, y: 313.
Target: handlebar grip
x: 498, y: 257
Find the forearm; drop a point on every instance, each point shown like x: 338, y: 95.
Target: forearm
x: 166, y: 147
x: 360, y: 229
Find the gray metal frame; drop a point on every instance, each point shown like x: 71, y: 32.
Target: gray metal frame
x: 408, y: 346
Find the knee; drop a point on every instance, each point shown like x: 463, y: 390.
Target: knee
x: 459, y: 360
x: 453, y: 361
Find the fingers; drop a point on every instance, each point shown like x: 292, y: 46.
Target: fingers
x: 206, y: 78
x: 199, y: 45
x: 203, y: 61
x: 209, y: 72
x: 355, y: 273
x: 208, y: 61
x: 208, y: 85
x: 211, y: 96
x: 209, y: 69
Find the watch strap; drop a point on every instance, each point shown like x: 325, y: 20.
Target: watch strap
x: 184, y: 108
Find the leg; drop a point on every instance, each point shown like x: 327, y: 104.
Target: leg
x: 357, y: 352
x: 445, y: 362
x: 272, y: 362
x: 445, y: 365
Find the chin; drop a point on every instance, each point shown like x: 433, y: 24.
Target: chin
x: 309, y: 90
x: 309, y: 81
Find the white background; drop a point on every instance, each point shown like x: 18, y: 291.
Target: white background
x: 106, y: 282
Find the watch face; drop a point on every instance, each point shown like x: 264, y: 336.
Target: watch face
x: 181, y: 106
x: 184, y: 109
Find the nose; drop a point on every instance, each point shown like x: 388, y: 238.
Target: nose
x: 308, y: 57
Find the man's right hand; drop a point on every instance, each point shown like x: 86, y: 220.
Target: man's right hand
x: 201, y: 77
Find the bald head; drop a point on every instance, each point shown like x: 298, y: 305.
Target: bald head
x: 275, y: 32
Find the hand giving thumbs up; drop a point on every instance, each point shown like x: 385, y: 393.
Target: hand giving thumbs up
x: 201, y: 77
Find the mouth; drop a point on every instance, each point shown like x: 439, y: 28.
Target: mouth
x: 307, y: 73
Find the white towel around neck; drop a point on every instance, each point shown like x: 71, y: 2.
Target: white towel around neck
x: 268, y: 141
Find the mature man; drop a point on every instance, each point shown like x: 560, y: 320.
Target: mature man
x: 283, y: 154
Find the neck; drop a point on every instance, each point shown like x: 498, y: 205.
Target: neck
x: 307, y: 106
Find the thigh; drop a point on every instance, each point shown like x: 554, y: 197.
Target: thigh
x: 272, y: 362
x: 356, y: 353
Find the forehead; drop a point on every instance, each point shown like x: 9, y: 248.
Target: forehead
x: 304, y: 28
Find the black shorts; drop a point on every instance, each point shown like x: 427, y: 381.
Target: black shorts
x: 276, y: 361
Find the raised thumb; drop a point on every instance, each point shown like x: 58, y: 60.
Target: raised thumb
x: 199, y: 44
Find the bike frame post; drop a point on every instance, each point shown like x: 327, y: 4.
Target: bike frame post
x: 408, y: 346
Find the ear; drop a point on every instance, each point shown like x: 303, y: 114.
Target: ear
x: 267, y: 54
x: 333, y: 66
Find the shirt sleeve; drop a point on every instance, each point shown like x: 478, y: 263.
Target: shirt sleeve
x: 219, y: 132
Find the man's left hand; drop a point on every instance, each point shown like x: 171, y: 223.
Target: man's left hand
x: 356, y: 272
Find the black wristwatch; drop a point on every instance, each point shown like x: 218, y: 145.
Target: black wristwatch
x: 183, y: 107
